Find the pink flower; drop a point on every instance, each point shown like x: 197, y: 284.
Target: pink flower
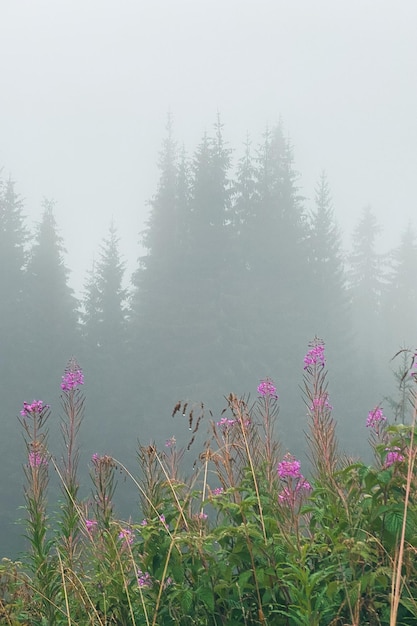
x: 321, y: 403
x: 315, y: 356
x: 394, y: 456
x: 162, y: 520
x: 144, y: 579
x: 226, y: 423
x: 170, y: 442
x: 217, y: 491
x: 290, y: 495
x: 127, y: 535
x: 90, y: 524
x: 375, y: 417
x: 267, y: 388
x: 289, y: 467
x: 72, y: 378
x: 36, y: 459
x: 37, y: 407
x: 202, y: 515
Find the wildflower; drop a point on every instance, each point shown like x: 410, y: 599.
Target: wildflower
x: 394, y: 456
x: 162, y: 520
x: 37, y: 407
x: 217, y: 491
x: 72, y: 378
x: 315, y: 356
x: 289, y: 467
x: 144, y: 579
x: 289, y: 496
x: 170, y: 442
x: 321, y: 403
x: 36, y: 459
x: 144, y: 522
x: 202, y: 515
x: 90, y: 524
x: 267, y: 388
x: 226, y: 423
x: 375, y: 417
x: 127, y: 535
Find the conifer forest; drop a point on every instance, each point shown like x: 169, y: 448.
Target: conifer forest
x: 236, y: 273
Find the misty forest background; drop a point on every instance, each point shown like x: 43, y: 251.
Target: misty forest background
x: 238, y: 272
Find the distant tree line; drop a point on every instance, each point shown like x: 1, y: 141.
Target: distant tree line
x: 239, y: 274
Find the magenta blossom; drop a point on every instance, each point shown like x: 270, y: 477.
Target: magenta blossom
x: 144, y: 579
x: 226, y: 423
x: 36, y: 459
x: 127, y: 535
x: 321, y: 403
x: 289, y: 467
x: 202, y: 515
x: 290, y: 495
x: 217, y: 491
x: 393, y: 456
x: 72, y: 379
x: 375, y: 418
x: 37, y: 406
x: 267, y: 388
x: 315, y: 356
x: 90, y: 524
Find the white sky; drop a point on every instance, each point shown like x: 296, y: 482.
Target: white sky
x: 85, y: 86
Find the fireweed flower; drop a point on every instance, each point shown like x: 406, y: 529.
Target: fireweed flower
x: 72, y: 379
x: 127, y: 535
x: 225, y: 423
x: 289, y: 467
x: 162, y: 520
x: 267, y: 388
x: 217, y: 491
x: 315, y: 356
x: 321, y: 403
x: 90, y: 524
x: 394, y: 456
x: 36, y: 459
x: 144, y: 579
x: 375, y: 418
x: 290, y: 496
x: 37, y: 406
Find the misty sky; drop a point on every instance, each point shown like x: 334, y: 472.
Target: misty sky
x: 85, y: 86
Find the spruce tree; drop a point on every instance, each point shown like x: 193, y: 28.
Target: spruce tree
x: 13, y: 238
x: 366, y: 282
x: 274, y: 237
x: 327, y: 299
x: 399, y: 304
x: 50, y: 306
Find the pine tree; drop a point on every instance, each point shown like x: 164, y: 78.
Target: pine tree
x: 327, y: 298
x: 274, y: 237
x: 399, y: 303
x: 366, y: 282
x: 104, y: 353
x: 50, y: 306
x: 13, y: 238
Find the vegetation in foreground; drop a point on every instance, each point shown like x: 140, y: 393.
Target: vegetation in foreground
x: 246, y: 539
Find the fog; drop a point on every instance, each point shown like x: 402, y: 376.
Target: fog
x: 223, y: 297
x: 86, y: 87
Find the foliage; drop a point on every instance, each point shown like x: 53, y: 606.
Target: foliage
x: 245, y: 540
